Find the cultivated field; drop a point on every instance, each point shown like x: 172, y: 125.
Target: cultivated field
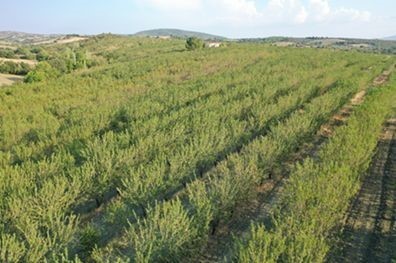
x: 136, y: 150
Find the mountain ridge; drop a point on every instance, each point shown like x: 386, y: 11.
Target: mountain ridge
x: 390, y: 38
x: 164, y: 32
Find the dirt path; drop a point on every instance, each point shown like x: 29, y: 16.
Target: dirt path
x: 381, y: 79
x: 260, y: 209
x: 370, y: 229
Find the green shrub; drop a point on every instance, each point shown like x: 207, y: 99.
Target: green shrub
x: 11, y: 250
x: 43, y: 71
x: 155, y: 239
x: 89, y: 239
x: 7, y: 53
x: 193, y: 43
x: 10, y: 67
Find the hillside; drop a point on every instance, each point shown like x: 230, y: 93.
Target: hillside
x: 176, y: 33
x: 369, y: 45
x: 13, y: 37
x: 391, y: 38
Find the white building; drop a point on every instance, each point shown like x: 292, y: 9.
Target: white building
x: 214, y: 44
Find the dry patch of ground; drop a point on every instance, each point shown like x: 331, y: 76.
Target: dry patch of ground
x: 381, y: 79
x: 70, y: 40
x: 61, y: 40
x: 7, y: 46
x: 284, y: 44
x: 17, y: 60
x: 8, y: 79
x: 361, y: 45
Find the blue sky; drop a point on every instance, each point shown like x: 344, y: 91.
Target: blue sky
x: 231, y: 18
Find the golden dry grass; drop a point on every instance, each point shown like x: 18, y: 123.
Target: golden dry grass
x: 17, y: 60
x: 70, y: 40
x: 8, y: 79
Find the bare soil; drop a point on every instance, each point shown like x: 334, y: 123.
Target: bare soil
x: 370, y: 229
x: 70, y: 40
x: 8, y: 79
x: 284, y: 44
x: 4, y: 45
x: 381, y: 79
x: 17, y: 60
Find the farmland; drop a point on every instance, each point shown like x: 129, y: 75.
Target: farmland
x: 134, y: 149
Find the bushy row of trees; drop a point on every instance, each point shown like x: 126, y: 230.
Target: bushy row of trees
x: 53, y: 61
x: 10, y: 67
x: 24, y: 52
x: 58, y: 63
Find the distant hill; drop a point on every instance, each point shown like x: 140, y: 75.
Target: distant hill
x: 13, y: 37
x: 369, y: 45
x: 391, y: 38
x: 177, y: 33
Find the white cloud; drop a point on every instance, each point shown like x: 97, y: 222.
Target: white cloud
x: 247, y: 13
x: 234, y: 12
x: 286, y: 11
x: 319, y: 9
x: 174, y: 4
x: 353, y: 14
x: 296, y: 11
x: 239, y: 7
x: 301, y: 16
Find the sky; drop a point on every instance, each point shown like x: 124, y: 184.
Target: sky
x: 230, y: 18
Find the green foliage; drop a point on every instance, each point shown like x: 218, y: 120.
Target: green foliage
x: 193, y: 43
x: 121, y: 120
x: 25, y: 53
x: 202, y: 208
x: 59, y: 64
x: 11, y: 250
x: 262, y: 246
x: 43, y: 71
x: 231, y: 181
x: 10, y: 67
x: 89, y: 238
x: 119, y: 125
x: 7, y: 53
x: 155, y: 240
x: 42, y: 55
x: 311, y: 208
